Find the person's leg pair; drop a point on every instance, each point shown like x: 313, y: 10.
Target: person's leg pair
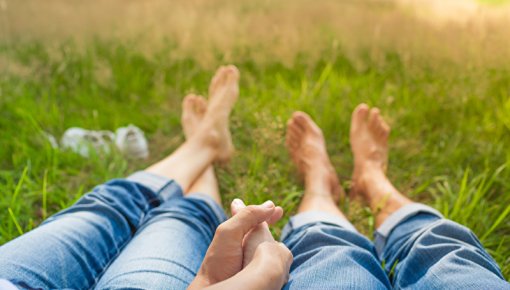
x: 422, y: 251
x: 328, y: 251
x: 418, y: 248
x: 168, y: 249
x: 73, y: 248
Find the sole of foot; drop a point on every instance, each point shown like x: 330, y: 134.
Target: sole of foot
x: 369, y: 144
x: 193, y: 112
x: 307, y: 147
x: 223, y: 94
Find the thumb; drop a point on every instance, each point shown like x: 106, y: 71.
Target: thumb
x: 236, y: 206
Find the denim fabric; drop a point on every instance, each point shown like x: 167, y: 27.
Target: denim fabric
x: 330, y: 254
x: 420, y: 250
x: 385, y: 229
x: 428, y: 252
x: 168, y: 249
x: 73, y: 248
x: 140, y: 233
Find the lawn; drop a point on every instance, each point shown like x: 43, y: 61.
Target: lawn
x: 450, y: 114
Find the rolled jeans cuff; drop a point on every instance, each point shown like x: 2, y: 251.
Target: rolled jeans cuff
x: 311, y: 217
x: 164, y: 187
x: 382, y: 233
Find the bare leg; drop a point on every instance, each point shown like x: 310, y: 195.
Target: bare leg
x: 369, y: 143
x: 212, y: 140
x: 193, y: 111
x: 307, y: 148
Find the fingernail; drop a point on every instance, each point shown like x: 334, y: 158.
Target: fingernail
x: 238, y: 202
x: 268, y: 204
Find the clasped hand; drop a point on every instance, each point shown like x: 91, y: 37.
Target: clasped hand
x: 243, y: 254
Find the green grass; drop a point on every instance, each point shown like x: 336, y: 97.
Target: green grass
x: 450, y: 135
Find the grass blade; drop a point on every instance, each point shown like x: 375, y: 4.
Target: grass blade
x: 15, y: 221
x: 18, y: 186
x: 500, y: 219
x: 44, y: 195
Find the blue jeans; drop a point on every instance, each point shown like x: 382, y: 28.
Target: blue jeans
x: 137, y: 233
x: 415, y: 248
x: 141, y: 233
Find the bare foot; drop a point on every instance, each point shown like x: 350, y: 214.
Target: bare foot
x: 193, y: 111
x: 307, y: 148
x: 211, y: 141
x: 369, y: 144
x: 223, y: 93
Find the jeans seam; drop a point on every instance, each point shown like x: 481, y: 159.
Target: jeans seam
x: 100, y: 274
x: 130, y: 237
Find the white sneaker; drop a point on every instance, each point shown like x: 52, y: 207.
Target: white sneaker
x: 84, y: 141
x: 131, y: 141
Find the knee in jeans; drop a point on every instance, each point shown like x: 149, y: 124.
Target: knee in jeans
x: 446, y: 232
x: 453, y: 230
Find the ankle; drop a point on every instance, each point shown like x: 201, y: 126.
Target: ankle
x: 208, y: 138
x: 381, y: 196
x: 317, y: 183
x: 365, y: 176
x: 316, y: 174
x: 319, y: 202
